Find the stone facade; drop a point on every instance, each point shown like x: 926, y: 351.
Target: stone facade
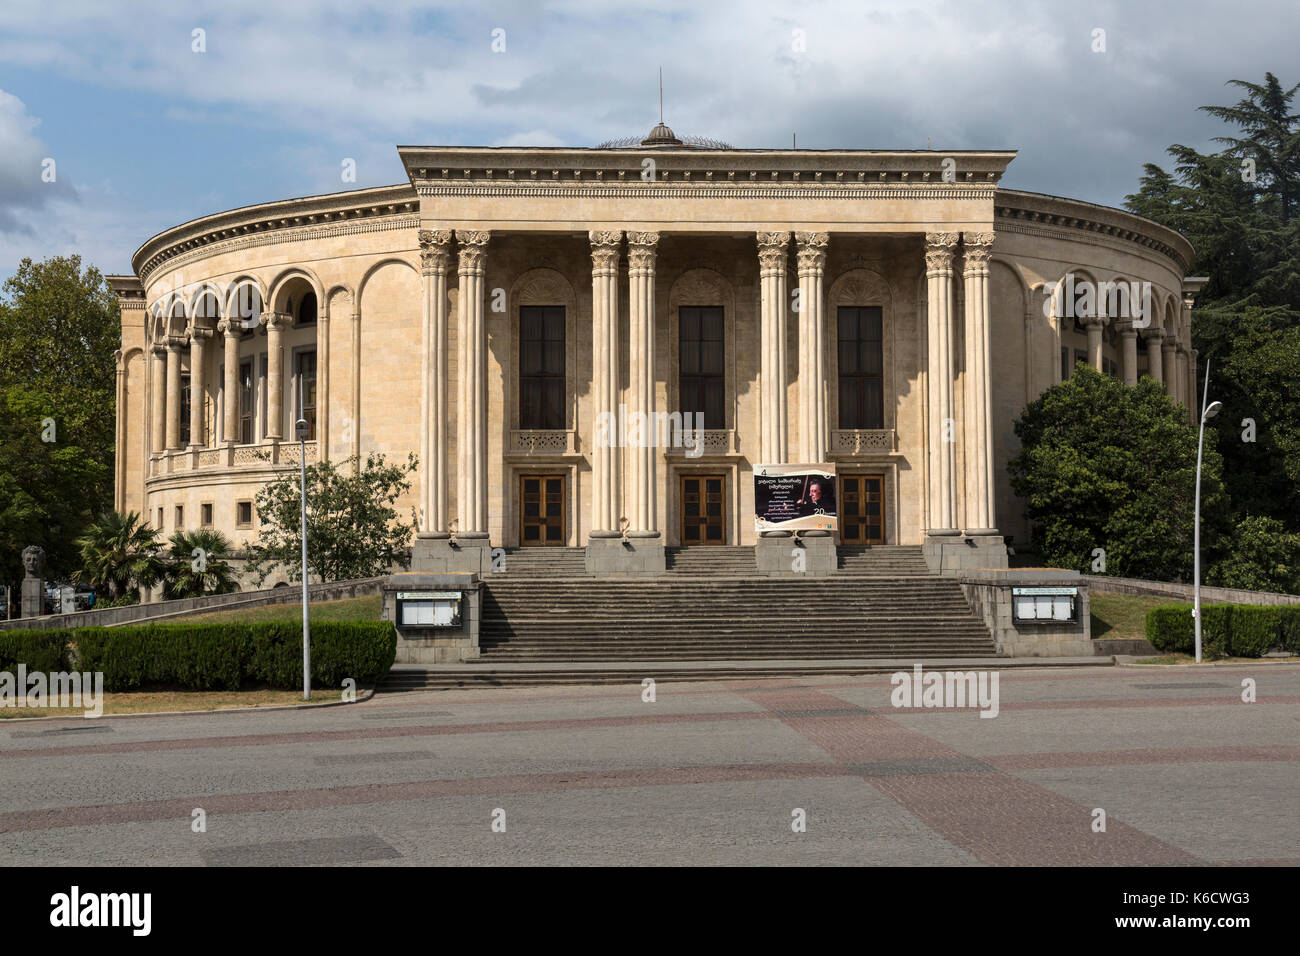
x: 410, y: 298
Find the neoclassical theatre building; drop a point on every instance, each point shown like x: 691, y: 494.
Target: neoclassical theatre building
x: 509, y: 315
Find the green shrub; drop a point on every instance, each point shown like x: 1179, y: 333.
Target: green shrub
x: 1239, y: 630
x: 227, y: 656
x: 1289, y: 627
x: 45, y: 651
x: 1169, y: 629
x: 1255, y: 630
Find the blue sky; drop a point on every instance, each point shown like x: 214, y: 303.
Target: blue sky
x: 146, y: 132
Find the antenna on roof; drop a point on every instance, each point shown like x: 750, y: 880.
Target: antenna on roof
x: 661, y: 96
x: 794, y: 140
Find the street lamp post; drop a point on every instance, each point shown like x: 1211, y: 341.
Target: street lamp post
x: 1208, y: 411
x: 300, y: 427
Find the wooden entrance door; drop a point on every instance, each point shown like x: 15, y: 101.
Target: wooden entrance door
x: 541, y: 511
x: 704, y: 509
x: 862, y: 509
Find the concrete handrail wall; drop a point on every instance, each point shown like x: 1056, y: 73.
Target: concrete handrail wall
x: 1104, y: 584
x: 144, y: 613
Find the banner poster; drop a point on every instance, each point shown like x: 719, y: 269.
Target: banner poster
x: 795, y: 498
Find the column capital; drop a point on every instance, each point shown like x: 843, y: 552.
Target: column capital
x: 230, y: 327
x: 772, y: 250
x: 435, y: 250
x: 939, y: 250
x: 200, y: 334
x: 175, y: 343
x: 604, y: 251
x: 976, y: 249
x: 159, y: 349
x: 1155, y: 333
x: 641, y: 248
x: 472, y: 246
x: 812, y: 251
x: 277, y: 321
x: 1126, y: 328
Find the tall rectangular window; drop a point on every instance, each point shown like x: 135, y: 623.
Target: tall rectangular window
x: 702, y: 379
x: 862, y: 362
x: 186, y: 398
x: 304, y: 382
x: 541, y: 366
x: 246, y: 402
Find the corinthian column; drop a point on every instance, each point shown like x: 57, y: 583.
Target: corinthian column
x: 773, y: 446
x: 230, y: 330
x: 1128, y: 339
x: 1155, y: 337
x: 1170, y: 366
x: 435, y: 257
x: 174, y: 345
x: 471, y: 402
x: 644, y: 518
x: 813, y: 424
x: 198, y: 383
x: 158, y: 398
x: 606, y: 503
x: 979, y: 392
x: 939, y: 248
x: 276, y: 323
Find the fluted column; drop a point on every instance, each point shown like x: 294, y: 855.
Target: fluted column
x: 276, y: 323
x: 939, y: 248
x: 1095, y: 325
x: 1155, y: 363
x: 323, y: 379
x: 158, y: 398
x: 979, y: 393
x: 230, y: 330
x: 435, y: 258
x: 174, y: 345
x: 813, y: 422
x: 1184, y: 394
x: 641, y: 250
x: 1193, y: 364
x: 773, y: 444
x: 606, y: 501
x: 119, y: 437
x: 1169, y: 365
x: 472, y: 485
x: 1128, y: 339
x: 198, y: 383
x: 354, y: 403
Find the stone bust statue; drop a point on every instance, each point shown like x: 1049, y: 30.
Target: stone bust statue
x: 34, y: 560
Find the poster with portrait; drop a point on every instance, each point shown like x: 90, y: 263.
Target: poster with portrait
x: 795, y: 498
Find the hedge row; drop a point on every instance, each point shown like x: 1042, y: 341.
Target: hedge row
x: 44, y: 651
x: 1227, y: 630
x: 227, y: 656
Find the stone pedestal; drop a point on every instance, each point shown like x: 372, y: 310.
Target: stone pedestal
x: 33, y: 599
x: 780, y: 554
x: 437, y: 554
x: 435, y: 645
x: 609, y: 555
x: 950, y: 553
x: 990, y: 595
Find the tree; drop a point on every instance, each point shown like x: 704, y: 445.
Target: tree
x: 198, y: 564
x: 1239, y: 208
x: 1264, y: 556
x: 120, y: 553
x: 1104, y: 465
x: 353, y: 529
x: 59, y: 327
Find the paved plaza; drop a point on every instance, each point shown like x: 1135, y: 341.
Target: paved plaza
x: 707, y: 773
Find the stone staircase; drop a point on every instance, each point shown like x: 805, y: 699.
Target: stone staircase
x: 710, y: 617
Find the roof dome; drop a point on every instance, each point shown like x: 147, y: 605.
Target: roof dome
x: 661, y: 135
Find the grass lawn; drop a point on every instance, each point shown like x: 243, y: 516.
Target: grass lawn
x: 1123, y: 616
x: 352, y: 609
x: 160, y: 701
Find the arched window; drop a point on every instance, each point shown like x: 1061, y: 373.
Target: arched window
x: 306, y: 311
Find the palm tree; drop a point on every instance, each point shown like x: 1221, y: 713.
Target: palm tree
x: 119, y: 552
x: 198, y: 565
